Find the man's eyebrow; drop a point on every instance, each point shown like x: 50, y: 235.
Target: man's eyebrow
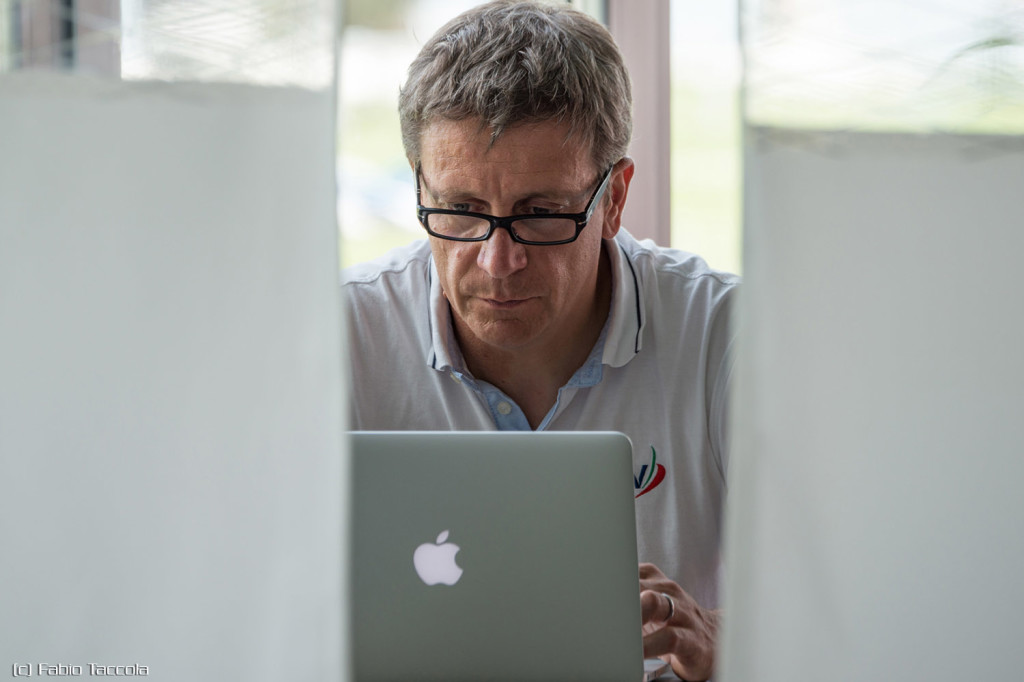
x: 559, y: 195
x: 426, y: 189
x: 449, y: 195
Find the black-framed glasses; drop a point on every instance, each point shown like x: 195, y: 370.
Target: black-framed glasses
x: 546, y: 229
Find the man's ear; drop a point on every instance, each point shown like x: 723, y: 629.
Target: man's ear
x: 615, y: 196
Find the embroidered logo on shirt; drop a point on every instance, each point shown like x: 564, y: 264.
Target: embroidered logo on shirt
x: 650, y: 476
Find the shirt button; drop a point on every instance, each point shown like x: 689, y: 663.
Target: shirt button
x: 504, y: 408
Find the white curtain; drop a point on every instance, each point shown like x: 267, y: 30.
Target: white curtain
x: 877, y: 492
x: 171, y: 430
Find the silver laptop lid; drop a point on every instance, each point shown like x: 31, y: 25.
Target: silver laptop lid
x: 528, y: 541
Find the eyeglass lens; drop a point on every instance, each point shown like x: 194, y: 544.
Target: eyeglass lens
x: 530, y: 229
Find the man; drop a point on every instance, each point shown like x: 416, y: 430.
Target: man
x: 530, y: 308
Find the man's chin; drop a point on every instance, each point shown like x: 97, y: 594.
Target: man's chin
x: 506, y: 333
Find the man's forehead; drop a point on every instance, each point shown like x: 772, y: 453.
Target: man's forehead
x: 447, y: 145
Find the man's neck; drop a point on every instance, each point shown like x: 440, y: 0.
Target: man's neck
x: 533, y: 375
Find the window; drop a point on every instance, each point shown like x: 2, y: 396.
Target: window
x: 705, y: 151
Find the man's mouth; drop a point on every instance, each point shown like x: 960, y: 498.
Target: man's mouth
x: 504, y: 302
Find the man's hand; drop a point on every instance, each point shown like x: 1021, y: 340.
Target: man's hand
x: 682, y: 633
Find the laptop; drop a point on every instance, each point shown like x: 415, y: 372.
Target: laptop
x: 495, y: 555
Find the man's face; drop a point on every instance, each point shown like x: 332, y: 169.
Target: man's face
x: 504, y: 295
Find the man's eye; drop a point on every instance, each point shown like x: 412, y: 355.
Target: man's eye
x: 540, y: 210
x: 459, y: 207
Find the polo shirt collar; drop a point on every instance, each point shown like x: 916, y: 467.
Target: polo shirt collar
x: 443, y: 353
x: 626, y: 317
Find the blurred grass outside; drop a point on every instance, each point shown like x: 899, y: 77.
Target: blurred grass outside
x: 370, y: 147
x: 706, y: 174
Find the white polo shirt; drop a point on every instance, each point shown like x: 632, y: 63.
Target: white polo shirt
x: 659, y: 373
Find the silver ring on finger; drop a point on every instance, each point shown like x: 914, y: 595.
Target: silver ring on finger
x: 671, y: 607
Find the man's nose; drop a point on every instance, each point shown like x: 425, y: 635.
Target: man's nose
x: 500, y: 256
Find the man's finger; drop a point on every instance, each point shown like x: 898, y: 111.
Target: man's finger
x: 662, y: 642
x: 656, y: 607
x: 648, y: 571
x: 690, y: 660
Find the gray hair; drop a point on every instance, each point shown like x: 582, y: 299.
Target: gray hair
x: 507, y: 63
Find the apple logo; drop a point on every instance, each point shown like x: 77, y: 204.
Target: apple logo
x: 435, y: 563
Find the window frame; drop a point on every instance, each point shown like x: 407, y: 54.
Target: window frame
x: 641, y: 29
